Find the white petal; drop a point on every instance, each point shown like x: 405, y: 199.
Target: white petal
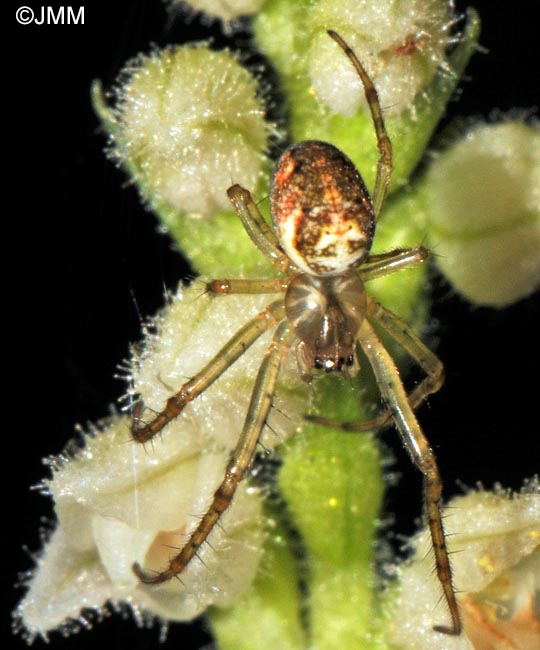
x: 64, y: 583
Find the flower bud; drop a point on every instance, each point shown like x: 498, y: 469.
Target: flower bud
x: 188, y: 124
x: 226, y: 10
x: 401, y: 45
x: 482, y: 202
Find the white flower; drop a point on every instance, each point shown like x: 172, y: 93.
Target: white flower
x: 118, y: 502
x: 494, y: 538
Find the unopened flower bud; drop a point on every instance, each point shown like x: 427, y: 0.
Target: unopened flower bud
x: 226, y: 10
x: 483, y: 205
x: 188, y: 124
x: 401, y: 45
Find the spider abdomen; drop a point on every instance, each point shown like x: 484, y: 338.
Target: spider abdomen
x: 323, y: 215
x: 325, y: 313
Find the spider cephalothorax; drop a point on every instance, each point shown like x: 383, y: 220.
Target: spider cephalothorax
x: 325, y: 312
x: 324, y: 222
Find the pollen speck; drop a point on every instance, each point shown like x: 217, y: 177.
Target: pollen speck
x: 486, y: 562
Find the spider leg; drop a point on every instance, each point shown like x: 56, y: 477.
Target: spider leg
x: 241, y: 457
x: 229, y: 353
x: 421, y: 454
x: 403, y: 334
x: 384, y: 166
x: 256, y: 227
x: 398, y: 329
x: 382, y: 264
x: 226, y: 287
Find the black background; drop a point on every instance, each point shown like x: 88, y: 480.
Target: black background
x: 78, y: 248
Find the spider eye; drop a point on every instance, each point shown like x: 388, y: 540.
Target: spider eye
x: 322, y: 212
x: 329, y: 365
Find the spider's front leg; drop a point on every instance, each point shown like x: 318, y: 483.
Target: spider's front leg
x: 422, y: 456
x: 229, y: 353
x: 241, y: 457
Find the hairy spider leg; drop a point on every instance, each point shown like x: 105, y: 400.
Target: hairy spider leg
x: 380, y: 264
x: 405, y: 336
x: 259, y: 231
x: 384, y: 166
x: 227, y: 286
x: 229, y: 353
x: 415, y: 442
x: 241, y: 457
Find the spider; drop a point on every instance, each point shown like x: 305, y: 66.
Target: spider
x: 324, y: 221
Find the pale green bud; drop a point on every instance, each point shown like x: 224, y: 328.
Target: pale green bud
x: 187, y: 123
x: 482, y: 199
x: 401, y: 44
